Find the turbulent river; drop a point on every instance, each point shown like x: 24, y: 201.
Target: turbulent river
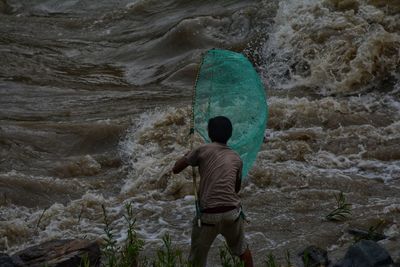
x: 95, y: 102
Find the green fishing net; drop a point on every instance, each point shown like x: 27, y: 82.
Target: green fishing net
x: 227, y: 85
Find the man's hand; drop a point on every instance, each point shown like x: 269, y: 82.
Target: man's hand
x: 180, y: 165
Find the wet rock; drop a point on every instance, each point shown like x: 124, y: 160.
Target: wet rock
x: 4, y: 9
x: 343, y: 5
x: 361, y: 234
x: 365, y: 253
x: 82, y: 166
x: 314, y: 256
x: 179, y: 188
x: 6, y: 261
x: 59, y: 253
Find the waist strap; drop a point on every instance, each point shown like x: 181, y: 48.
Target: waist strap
x: 219, y: 209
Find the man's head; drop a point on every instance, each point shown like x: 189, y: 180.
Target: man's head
x: 219, y: 129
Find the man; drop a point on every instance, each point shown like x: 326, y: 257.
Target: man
x: 220, y: 171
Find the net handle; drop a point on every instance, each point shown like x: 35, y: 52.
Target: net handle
x: 191, y: 133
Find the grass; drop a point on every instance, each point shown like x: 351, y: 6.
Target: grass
x: 343, y: 210
x: 287, y: 257
x: 110, y: 247
x: 133, y: 246
x: 168, y: 256
x: 85, y: 261
x: 40, y: 218
x: 272, y: 262
x: 228, y: 259
x: 128, y: 254
x: 373, y: 232
x: 306, y: 258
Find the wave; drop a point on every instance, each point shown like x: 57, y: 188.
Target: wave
x: 331, y: 48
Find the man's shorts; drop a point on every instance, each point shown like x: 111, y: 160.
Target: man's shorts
x: 230, y: 224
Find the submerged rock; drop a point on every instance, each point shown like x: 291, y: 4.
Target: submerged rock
x: 365, y: 253
x: 6, y: 261
x: 59, y: 253
x: 3, y: 9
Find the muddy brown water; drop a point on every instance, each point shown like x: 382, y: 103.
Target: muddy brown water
x: 94, y: 107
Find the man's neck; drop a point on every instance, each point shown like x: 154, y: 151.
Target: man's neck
x: 219, y: 143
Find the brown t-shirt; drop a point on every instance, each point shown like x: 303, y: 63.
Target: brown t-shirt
x: 219, y: 167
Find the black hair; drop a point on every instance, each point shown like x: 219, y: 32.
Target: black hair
x: 219, y: 129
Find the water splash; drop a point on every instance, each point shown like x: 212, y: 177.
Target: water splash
x: 332, y: 49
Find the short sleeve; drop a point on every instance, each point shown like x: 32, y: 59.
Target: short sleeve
x: 192, y: 158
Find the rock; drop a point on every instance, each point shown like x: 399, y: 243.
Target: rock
x: 4, y: 9
x: 392, y: 245
x: 6, y: 261
x: 59, y: 253
x: 361, y: 234
x: 81, y: 166
x: 314, y: 256
x: 365, y: 253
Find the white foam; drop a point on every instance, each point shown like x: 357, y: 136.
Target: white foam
x: 329, y: 50
x: 151, y: 147
x: 392, y: 208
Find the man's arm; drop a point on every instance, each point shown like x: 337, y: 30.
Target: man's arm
x: 180, y: 165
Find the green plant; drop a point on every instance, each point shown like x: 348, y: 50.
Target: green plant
x: 271, y: 261
x: 228, y: 259
x: 110, y: 248
x: 128, y: 254
x: 85, y: 261
x: 287, y: 258
x: 40, y: 218
x: 133, y: 245
x: 373, y: 233
x: 168, y: 257
x: 373, y: 230
x: 342, y: 211
x: 306, y: 258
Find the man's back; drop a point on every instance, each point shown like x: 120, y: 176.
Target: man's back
x: 220, y: 169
